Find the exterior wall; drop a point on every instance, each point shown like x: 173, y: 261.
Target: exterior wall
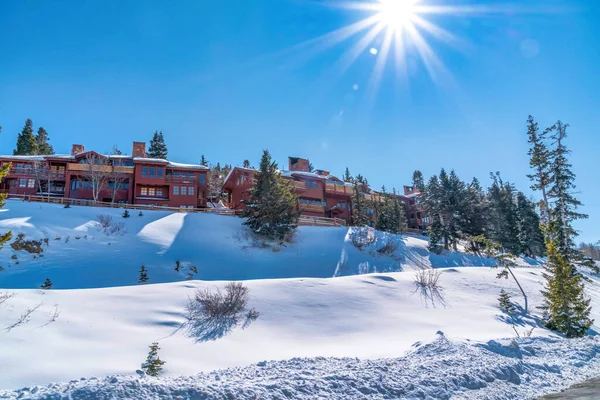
x: 298, y: 164
x: 237, y: 188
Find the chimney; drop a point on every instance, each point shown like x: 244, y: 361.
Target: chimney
x: 139, y: 149
x: 77, y: 148
x: 298, y: 164
x: 322, y: 172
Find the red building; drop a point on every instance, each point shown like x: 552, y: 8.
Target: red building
x: 88, y: 175
x: 319, y: 193
x: 417, y: 219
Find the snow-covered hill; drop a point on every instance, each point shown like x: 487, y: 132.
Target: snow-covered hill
x: 80, y: 255
x: 102, y: 327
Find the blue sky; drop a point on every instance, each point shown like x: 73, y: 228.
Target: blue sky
x: 216, y: 78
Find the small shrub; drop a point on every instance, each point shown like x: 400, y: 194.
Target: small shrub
x: 177, y: 265
x: 126, y: 214
x: 30, y: 246
x: 426, y: 282
x: 389, y: 247
x: 68, y: 205
x: 77, y: 237
x: 118, y: 228
x: 104, y: 221
x: 46, y: 241
x: 505, y: 302
x: 141, y: 214
x: 193, y: 269
x: 153, y: 364
x: 213, y: 314
x: 362, y: 237
x: 14, y: 256
x: 47, y: 285
x: 190, y: 277
x: 67, y: 239
x: 57, y: 238
x: 143, y: 275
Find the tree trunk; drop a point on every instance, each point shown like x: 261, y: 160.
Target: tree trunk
x: 522, y: 291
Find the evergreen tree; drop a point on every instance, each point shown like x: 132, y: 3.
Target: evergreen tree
x: 565, y: 308
x: 26, y: 143
x: 115, y: 151
x: 126, y: 214
x: 418, y: 181
x: 531, y: 238
x: 47, y: 285
x: 563, y: 210
x: 153, y: 364
x: 503, y: 226
x: 271, y: 210
x: 143, y: 275
x: 41, y: 139
x: 391, y: 216
x: 246, y: 164
x: 158, y: 147
x: 311, y: 167
x: 505, y: 302
x: 347, y: 176
x: 539, y: 161
x: 203, y: 161
x: 3, y: 172
x: 359, y: 204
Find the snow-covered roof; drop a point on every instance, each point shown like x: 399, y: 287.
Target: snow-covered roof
x: 234, y: 169
x: 180, y: 165
x: 39, y: 157
x: 413, y: 195
x: 169, y: 163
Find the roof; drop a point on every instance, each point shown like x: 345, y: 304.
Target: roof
x: 169, y: 163
x: 235, y: 169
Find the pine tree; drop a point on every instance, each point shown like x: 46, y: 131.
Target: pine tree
x: 115, y: 151
x: 347, y: 176
x: 143, y: 275
x: 505, y: 302
x: 8, y: 235
x: 158, y: 147
x: 47, y: 285
x: 531, y: 238
x: 271, y: 210
x: 539, y: 161
x: 474, y: 215
x: 41, y: 139
x: 153, y: 364
x: 311, y: 167
x: 503, y: 226
x: 566, y: 310
x: 203, y: 161
x: 246, y: 164
x: 418, y: 181
x: 126, y: 214
x: 26, y: 143
x: 563, y: 210
x: 359, y: 204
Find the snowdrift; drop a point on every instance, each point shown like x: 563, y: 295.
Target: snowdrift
x: 78, y: 254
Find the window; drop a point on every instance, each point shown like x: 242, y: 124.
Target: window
x: 341, y: 204
x: 144, y: 172
x: 175, y: 190
x: 152, y: 172
x: 22, y: 182
x: 312, y: 202
x: 31, y: 183
x: 74, y: 185
x: 151, y: 192
x: 144, y: 191
x: 161, y: 172
x: 183, y: 190
x: 202, y: 179
x: 191, y: 190
x: 159, y: 192
x: 312, y: 184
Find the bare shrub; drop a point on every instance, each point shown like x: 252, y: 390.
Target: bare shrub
x: 106, y: 224
x: 24, y: 318
x: 104, y: 221
x: 5, y: 296
x: 118, y: 228
x: 389, y: 247
x: 362, y: 237
x: 426, y: 282
x: 213, y: 314
x: 30, y: 246
x: 526, y: 333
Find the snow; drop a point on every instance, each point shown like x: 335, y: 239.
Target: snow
x: 317, y: 310
x: 170, y: 163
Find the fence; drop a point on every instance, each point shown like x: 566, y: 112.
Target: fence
x: 304, y: 220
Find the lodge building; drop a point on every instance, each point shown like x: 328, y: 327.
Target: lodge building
x: 89, y: 175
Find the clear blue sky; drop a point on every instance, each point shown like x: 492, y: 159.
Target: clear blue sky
x: 213, y: 76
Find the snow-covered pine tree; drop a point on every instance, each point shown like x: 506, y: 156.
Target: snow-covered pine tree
x: 26, y: 143
x: 271, y: 210
x: 565, y: 307
x: 126, y: 214
x: 531, y: 238
x: 153, y: 364
x: 359, y: 204
x: 41, y: 139
x: 505, y: 302
x: 143, y: 275
x: 47, y: 285
x: 474, y: 215
x: 539, y: 161
x: 417, y: 181
x: 158, y: 147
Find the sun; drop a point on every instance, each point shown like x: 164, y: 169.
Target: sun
x: 397, y: 14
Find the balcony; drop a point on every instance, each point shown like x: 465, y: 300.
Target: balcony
x: 332, y: 188
x: 374, y: 198
x: 21, y: 171
x: 103, y: 168
x: 181, y: 179
x: 298, y: 185
x: 311, y: 208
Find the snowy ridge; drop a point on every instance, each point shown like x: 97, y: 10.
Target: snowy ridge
x: 443, y: 369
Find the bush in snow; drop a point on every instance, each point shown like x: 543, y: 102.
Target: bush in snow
x: 143, y: 275
x: 47, y: 285
x: 362, y: 237
x: 153, y: 364
x: 126, y: 214
x: 505, y: 302
x: 389, y: 247
x: 426, y: 282
x: 212, y: 315
x: 30, y: 246
x: 141, y: 214
x: 106, y: 224
x: 68, y: 205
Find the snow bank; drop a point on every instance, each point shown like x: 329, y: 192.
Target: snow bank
x: 443, y: 369
x: 79, y: 255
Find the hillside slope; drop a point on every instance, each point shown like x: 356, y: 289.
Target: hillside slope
x: 80, y: 255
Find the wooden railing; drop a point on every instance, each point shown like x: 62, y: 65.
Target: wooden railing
x: 181, y: 179
x: 103, y: 168
x: 299, y: 185
x: 311, y: 208
x: 338, y: 189
x: 374, y: 197
x: 320, y: 221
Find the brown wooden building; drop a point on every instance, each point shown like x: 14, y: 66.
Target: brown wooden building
x: 88, y: 175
